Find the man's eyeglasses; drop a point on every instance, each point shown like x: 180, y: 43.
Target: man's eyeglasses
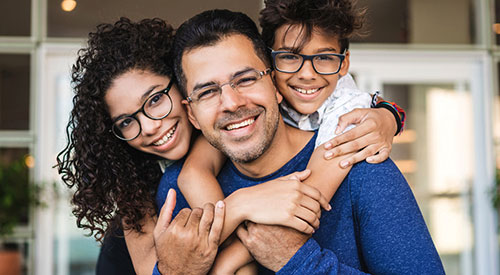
x: 242, y: 83
x: 156, y: 107
x: 324, y: 63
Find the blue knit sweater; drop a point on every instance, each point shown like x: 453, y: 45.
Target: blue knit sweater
x: 375, y: 225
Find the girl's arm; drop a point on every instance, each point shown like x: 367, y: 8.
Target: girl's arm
x: 141, y: 245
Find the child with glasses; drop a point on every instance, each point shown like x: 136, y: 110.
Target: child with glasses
x: 309, y: 42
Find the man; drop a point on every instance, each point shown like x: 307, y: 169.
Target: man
x: 375, y: 225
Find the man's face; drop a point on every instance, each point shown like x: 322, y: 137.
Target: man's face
x: 240, y: 123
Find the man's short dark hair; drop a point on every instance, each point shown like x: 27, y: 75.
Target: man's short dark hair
x: 338, y: 18
x: 208, y: 28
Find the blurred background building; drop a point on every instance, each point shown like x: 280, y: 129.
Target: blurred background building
x: 438, y: 59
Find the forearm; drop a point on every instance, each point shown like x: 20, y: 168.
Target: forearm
x: 326, y: 175
x: 312, y: 259
x: 231, y: 258
x: 141, y: 247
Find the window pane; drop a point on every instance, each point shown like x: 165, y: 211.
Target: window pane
x: 14, y: 183
x: 15, y: 18
x: 435, y: 154
x: 418, y: 21
x: 87, y: 14
x: 14, y: 91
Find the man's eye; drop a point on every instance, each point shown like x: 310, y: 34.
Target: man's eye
x: 207, y: 93
x: 245, y: 80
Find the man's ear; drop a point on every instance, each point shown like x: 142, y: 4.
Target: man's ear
x: 190, y: 114
x: 344, y: 69
x: 279, y: 97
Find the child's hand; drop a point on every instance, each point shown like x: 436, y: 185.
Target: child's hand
x: 284, y: 201
x: 372, y: 136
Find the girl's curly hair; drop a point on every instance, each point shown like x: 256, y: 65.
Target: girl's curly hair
x: 109, y: 176
x: 338, y: 18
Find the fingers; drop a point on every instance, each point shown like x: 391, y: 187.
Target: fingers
x: 304, y: 215
x: 242, y: 234
x: 166, y: 210
x: 382, y: 155
x: 181, y: 218
x: 353, y: 117
x: 349, y: 136
x: 206, y: 219
x: 316, y: 195
x: 217, y: 224
x: 194, y: 219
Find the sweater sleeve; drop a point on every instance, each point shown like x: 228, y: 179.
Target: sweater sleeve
x: 311, y: 259
x: 392, y: 232
x: 393, y: 237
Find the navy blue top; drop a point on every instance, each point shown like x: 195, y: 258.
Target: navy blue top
x: 375, y: 225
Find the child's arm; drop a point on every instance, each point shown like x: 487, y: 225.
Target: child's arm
x: 197, y: 180
x: 235, y: 257
x: 198, y: 184
x: 372, y: 137
x: 141, y: 245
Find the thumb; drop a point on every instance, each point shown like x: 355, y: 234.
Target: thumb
x: 167, y: 210
x: 301, y: 175
x: 353, y: 117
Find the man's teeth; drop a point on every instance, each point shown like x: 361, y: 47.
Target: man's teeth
x: 241, y: 124
x: 166, y: 137
x: 307, y: 92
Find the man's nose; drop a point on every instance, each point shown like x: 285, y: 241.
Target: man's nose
x: 231, y: 99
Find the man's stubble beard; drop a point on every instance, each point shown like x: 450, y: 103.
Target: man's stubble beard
x: 271, y: 126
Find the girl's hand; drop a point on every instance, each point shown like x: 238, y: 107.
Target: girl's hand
x: 372, y: 136
x: 284, y: 201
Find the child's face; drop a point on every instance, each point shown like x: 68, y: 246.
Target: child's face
x: 168, y: 137
x: 306, y: 90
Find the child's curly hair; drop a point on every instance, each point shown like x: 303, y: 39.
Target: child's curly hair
x: 337, y: 18
x: 109, y: 176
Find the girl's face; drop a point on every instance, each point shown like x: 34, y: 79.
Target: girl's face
x: 169, y: 137
x: 306, y: 90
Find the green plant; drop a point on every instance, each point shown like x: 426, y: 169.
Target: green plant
x: 496, y: 191
x: 17, y: 195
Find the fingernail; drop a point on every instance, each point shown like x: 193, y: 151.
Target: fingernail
x: 329, y: 207
x: 368, y: 159
x: 344, y: 164
x: 337, y: 130
x: 328, y: 155
x: 220, y: 204
x: 328, y: 145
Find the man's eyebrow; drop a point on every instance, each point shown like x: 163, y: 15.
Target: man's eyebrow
x: 143, y: 97
x: 210, y: 83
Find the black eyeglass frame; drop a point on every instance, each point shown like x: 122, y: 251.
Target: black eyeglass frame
x: 141, y: 110
x: 307, y: 57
